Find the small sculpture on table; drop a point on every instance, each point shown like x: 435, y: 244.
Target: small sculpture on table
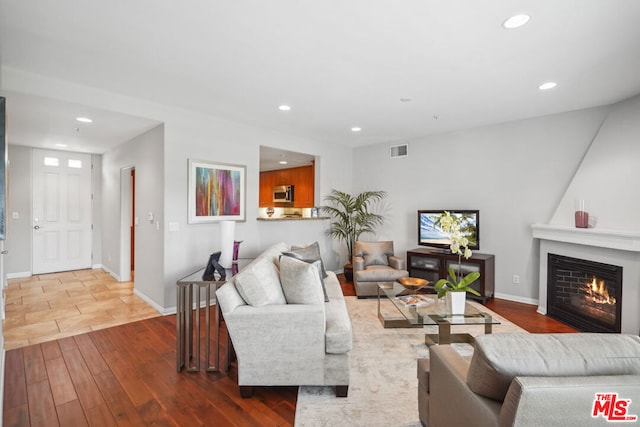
x: 214, y: 267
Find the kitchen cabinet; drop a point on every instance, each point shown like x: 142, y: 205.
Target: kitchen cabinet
x: 302, y: 179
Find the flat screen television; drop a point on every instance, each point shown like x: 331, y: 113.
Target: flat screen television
x: 430, y: 233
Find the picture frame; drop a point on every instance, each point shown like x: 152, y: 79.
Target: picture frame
x: 3, y: 168
x: 216, y: 192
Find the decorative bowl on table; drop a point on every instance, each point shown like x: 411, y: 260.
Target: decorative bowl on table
x: 413, y: 284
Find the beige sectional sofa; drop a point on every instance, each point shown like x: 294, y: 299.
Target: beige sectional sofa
x: 531, y: 380
x: 285, y: 329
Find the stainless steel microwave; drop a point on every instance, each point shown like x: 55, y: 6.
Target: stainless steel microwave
x: 283, y: 193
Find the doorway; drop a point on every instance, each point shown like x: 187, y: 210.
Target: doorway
x: 61, y: 207
x: 127, y: 223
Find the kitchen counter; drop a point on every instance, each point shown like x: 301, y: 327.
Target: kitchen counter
x: 293, y: 218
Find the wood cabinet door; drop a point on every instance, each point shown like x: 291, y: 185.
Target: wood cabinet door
x: 267, y: 180
x: 303, y: 186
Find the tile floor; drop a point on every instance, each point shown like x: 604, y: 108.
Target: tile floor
x: 52, y: 306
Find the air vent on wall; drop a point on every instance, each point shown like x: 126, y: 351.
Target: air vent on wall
x: 400, y: 151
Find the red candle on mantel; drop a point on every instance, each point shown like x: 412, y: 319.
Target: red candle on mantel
x: 582, y: 219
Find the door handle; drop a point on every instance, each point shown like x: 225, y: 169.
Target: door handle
x: 36, y: 227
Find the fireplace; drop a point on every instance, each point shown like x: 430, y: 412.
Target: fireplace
x: 584, y: 294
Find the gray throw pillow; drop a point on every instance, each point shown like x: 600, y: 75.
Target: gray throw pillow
x: 316, y: 263
x: 309, y: 252
x: 301, y: 281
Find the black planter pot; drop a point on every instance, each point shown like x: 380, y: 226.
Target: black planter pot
x: 348, y: 272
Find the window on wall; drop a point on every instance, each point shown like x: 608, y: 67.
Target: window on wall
x: 73, y: 163
x: 52, y: 161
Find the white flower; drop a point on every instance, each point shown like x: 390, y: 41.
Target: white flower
x: 459, y: 243
x: 467, y: 253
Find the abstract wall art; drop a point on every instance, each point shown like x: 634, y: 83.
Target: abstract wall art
x: 216, y: 191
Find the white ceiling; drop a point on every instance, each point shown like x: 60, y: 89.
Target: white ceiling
x: 47, y: 123
x: 271, y: 158
x: 337, y: 63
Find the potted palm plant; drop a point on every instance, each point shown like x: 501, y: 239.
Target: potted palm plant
x: 350, y: 217
x: 455, y: 286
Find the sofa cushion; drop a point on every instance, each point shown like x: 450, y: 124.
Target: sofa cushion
x: 375, y: 253
x: 338, y: 336
x: 317, y: 264
x: 380, y: 273
x: 259, y: 283
x: 301, y: 282
x: 499, y: 358
x: 308, y: 252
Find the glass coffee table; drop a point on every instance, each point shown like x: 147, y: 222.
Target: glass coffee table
x: 420, y: 310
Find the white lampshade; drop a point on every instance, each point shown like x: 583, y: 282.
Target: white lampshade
x: 227, y: 229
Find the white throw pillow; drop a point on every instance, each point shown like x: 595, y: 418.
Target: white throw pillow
x: 259, y: 284
x: 300, y: 281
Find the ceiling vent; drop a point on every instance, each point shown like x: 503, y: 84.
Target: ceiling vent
x: 400, y: 151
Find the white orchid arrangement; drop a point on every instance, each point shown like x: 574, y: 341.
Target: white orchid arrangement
x: 459, y: 245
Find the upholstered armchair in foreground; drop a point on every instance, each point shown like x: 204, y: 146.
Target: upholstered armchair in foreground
x: 561, y: 380
x: 375, y: 262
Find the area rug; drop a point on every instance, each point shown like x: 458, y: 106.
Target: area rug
x: 384, y: 385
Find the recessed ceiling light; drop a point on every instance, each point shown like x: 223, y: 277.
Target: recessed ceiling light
x: 84, y: 119
x: 516, y: 21
x: 547, y: 85
x: 283, y: 162
x: 62, y: 145
x: 284, y: 108
x: 356, y: 129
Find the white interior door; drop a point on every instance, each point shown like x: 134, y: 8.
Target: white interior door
x: 61, y: 211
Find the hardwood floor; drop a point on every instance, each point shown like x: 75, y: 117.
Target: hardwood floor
x: 526, y: 316
x: 126, y: 375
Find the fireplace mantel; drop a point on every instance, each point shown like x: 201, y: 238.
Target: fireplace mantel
x: 602, y: 238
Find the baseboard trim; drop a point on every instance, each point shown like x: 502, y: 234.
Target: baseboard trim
x: 19, y: 275
x: 2, y: 360
x: 151, y: 302
x: 111, y: 273
x: 515, y: 298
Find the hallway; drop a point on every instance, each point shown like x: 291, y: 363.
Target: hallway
x: 48, y: 307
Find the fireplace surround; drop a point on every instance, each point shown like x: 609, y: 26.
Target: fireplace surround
x: 614, y: 247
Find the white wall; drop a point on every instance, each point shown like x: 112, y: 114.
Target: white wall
x: 193, y: 135
x: 514, y: 173
x: 146, y: 154
x: 18, y: 243
x: 608, y: 178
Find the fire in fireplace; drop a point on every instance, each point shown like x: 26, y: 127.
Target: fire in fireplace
x: 584, y: 294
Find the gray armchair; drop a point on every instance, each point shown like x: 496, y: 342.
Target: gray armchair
x: 375, y: 262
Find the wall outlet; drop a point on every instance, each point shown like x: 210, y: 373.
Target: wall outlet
x: 516, y: 279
